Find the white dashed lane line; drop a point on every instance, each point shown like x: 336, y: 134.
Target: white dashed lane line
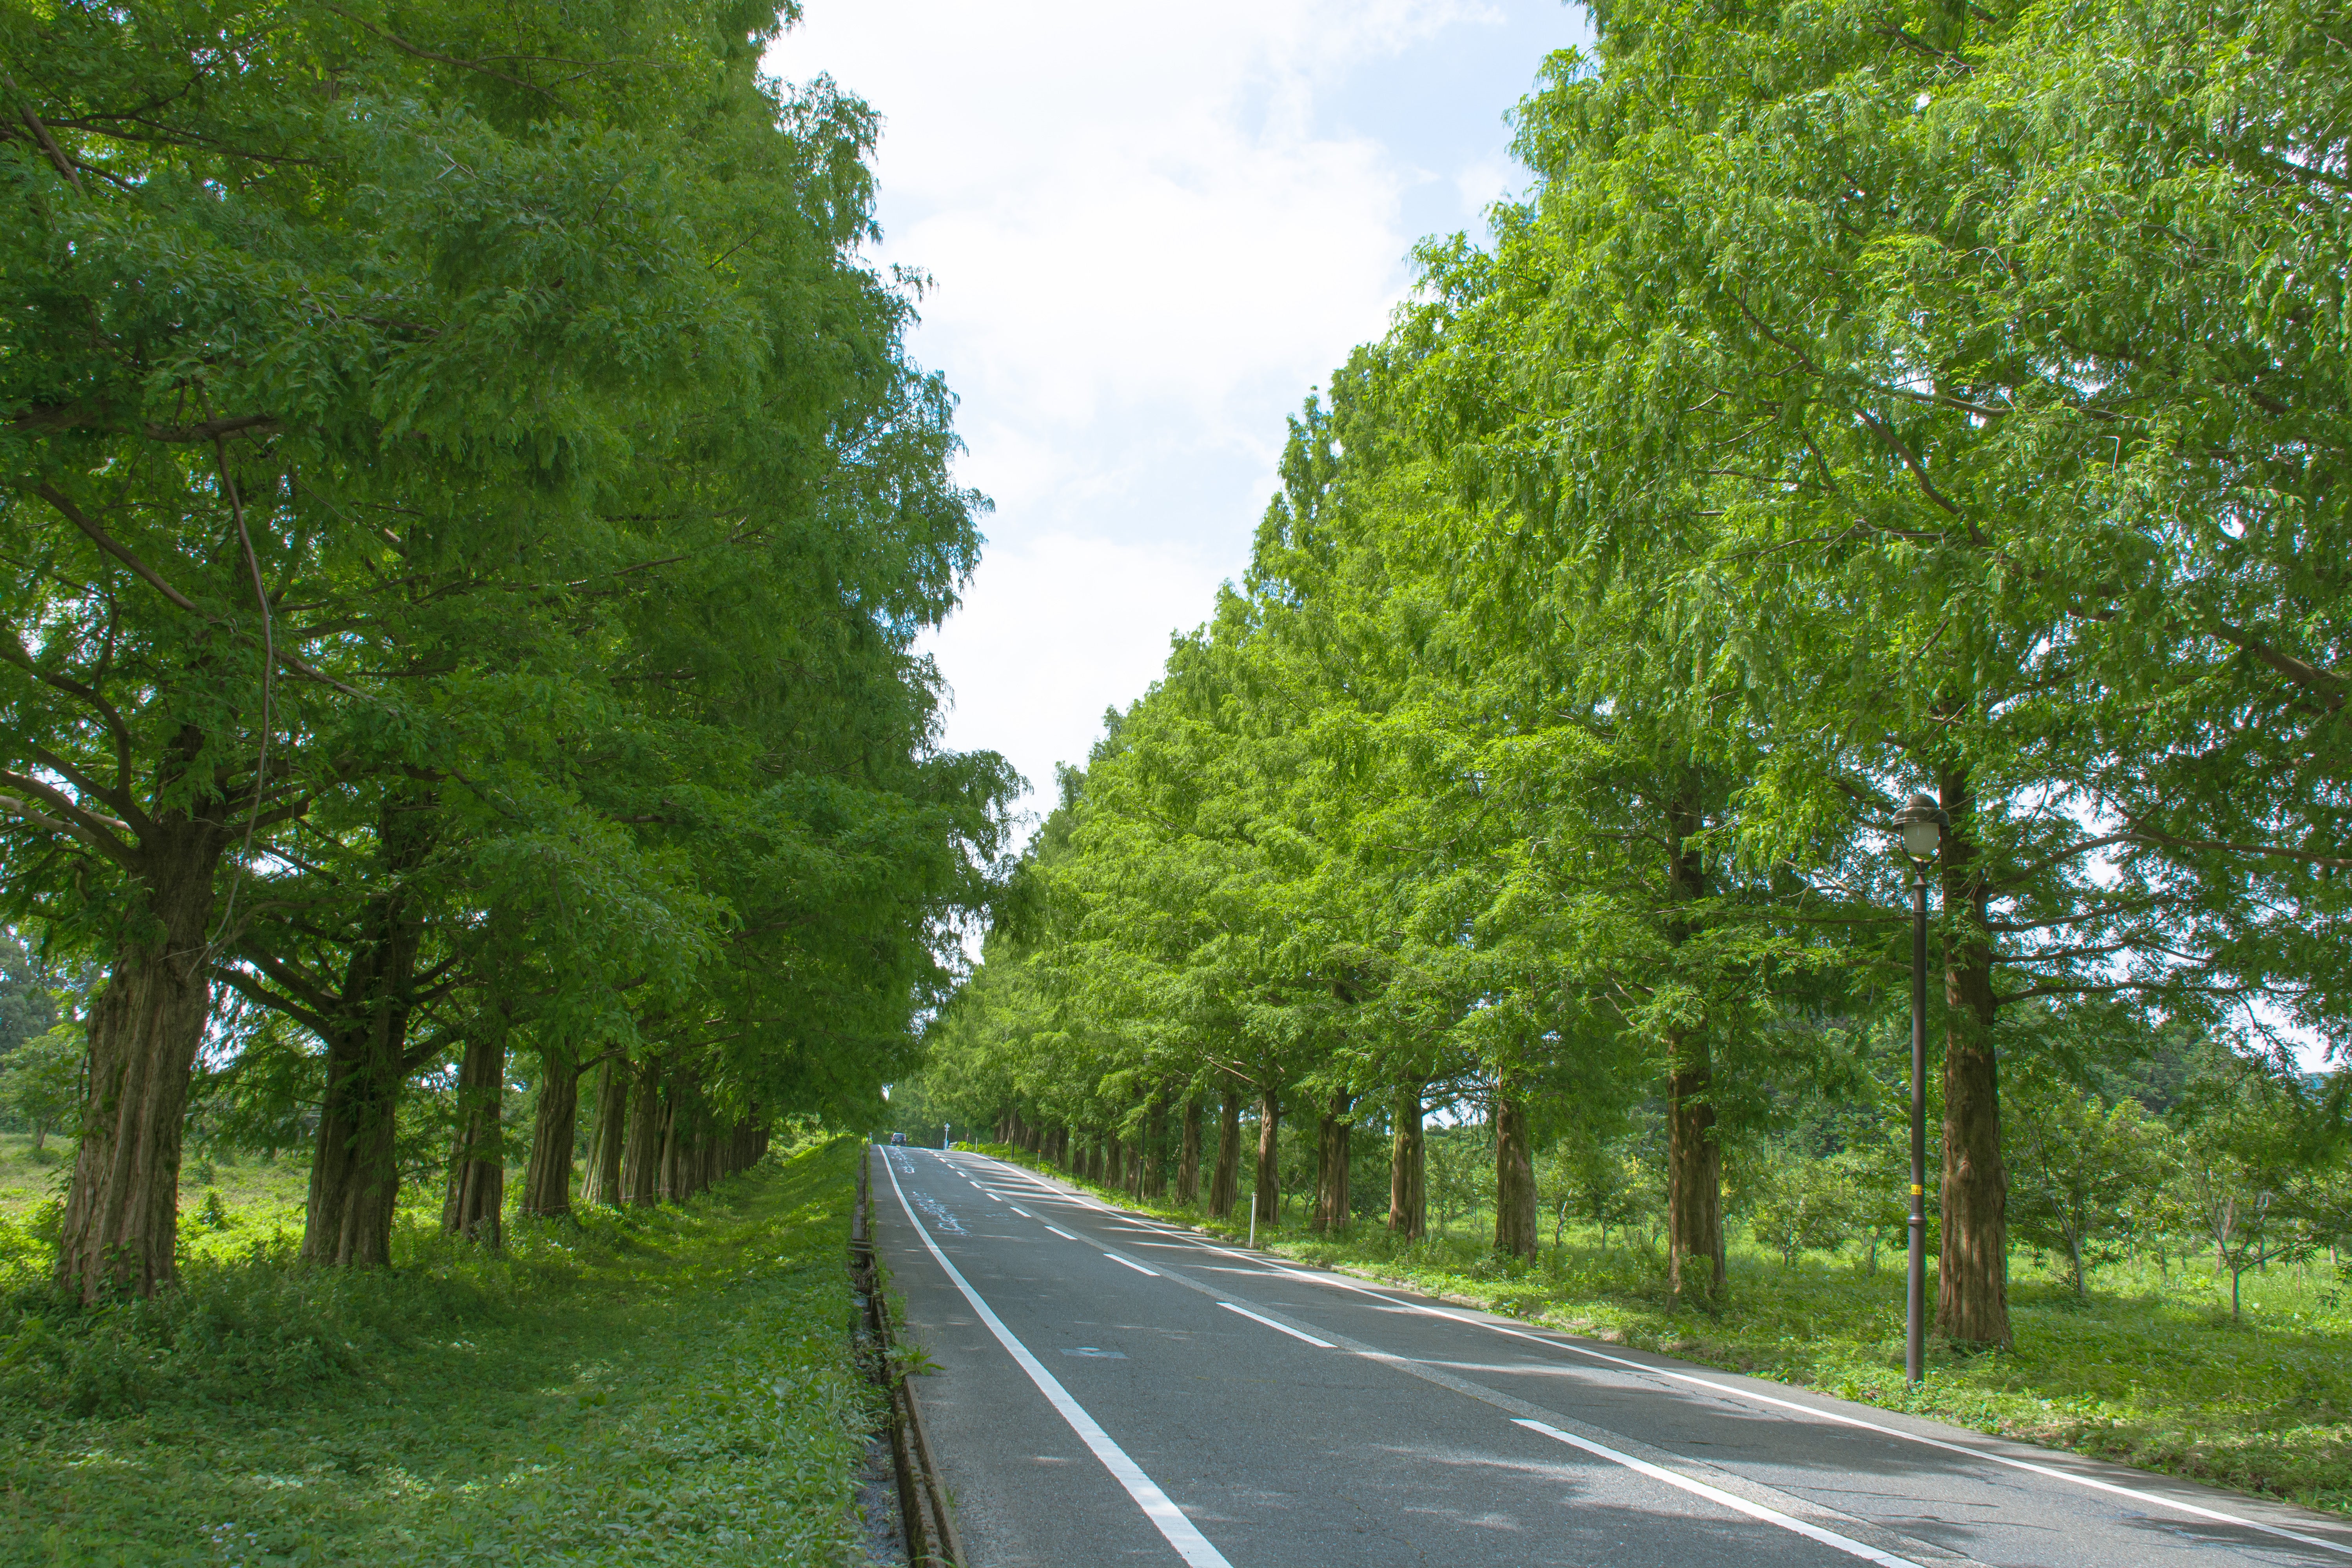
x: 1277, y: 1328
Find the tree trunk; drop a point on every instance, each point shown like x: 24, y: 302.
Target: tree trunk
x: 641, y: 1149
x: 600, y: 1181
x: 1334, y: 1136
x: 685, y: 1169
x: 1266, y: 1204
x: 1188, y: 1159
x: 682, y: 1105
x: 1408, y: 1174
x: 1514, y: 1179
x: 355, y: 1171
x: 477, y: 1161
x: 120, y: 1225
x: 706, y: 1152
x: 1972, y: 1267
x: 1114, y: 1162
x: 1154, y: 1150
x: 1225, y: 1179
x: 547, y: 1181
x: 1695, y: 1251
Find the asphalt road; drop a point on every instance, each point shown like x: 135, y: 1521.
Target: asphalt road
x: 1111, y: 1390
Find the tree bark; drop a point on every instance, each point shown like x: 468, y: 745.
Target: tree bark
x: 1408, y: 1174
x: 600, y: 1181
x: 1188, y: 1158
x: 1225, y: 1180
x: 120, y: 1225
x: 1334, y: 1136
x: 547, y: 1180
x: 1266, y: 1204
x: 478, y: 1162
x: 1972, y: 1265
x: 1514, y: 1179
x: 1153, y: 1151
x: 641, y: 1150
x: 683, y: 1100
x: 355, y: 1169
x: 1695, y: 1251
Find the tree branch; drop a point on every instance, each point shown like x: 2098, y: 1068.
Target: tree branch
x: 84, y: 823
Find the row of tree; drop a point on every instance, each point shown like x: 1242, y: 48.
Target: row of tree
x: 465, y: 515
x: 1888, y: 397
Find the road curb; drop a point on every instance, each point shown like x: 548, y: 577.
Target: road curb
x: 926, y: 1519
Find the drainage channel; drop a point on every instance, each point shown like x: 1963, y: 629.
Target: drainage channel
x: 926, y: 1523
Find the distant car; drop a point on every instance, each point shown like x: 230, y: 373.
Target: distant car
x: 897, y: 1137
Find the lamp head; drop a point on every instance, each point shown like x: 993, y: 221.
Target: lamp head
x: 1922, y: 823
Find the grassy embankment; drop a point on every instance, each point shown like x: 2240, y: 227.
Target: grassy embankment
x: 2151, y: 1370
x: 671, y: 1385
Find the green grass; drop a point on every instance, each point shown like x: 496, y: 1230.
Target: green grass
x: 672, y: 1385
x: 2151, y: 1370
x: 259, y: 1200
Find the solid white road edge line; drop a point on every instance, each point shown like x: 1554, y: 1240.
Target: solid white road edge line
x: 2155, y: 1500
x: 1277, y: 1328
x: 1190, y: 1543
x: 1139, y: 1267
x: 1845, y: 1543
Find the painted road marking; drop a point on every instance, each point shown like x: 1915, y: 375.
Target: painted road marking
x: 1181, y: 1532
x: 1139, y: 1267
x: 2156, y: 1499
x: 1277, y: 1328
x: 1065, y: 1235
x: 1845, y: 1543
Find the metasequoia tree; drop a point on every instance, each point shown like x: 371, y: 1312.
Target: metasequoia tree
x: 441, y: 451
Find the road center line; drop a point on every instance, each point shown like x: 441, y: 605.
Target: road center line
x: 1278, y: 1328
x: 1139, y: 1267
x: 1025, y: 1213
x: 1845, y: 1543
x: 1181, y: 1533
x: 1065, y: 1235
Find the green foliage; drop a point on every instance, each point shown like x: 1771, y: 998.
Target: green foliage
x: 464, y: 565
x: 1864, y: 400
x: 41, y: 1082
x: 2084, y: 1171
x: 1800, y: 1204
x: 1597, y: 1184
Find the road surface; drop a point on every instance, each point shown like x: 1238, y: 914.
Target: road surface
x: 1112, y: 1390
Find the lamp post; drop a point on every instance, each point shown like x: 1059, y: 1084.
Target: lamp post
x: 1921, y: 823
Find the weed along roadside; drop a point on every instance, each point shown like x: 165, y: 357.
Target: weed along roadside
x: 665, y: 1385
x: 2145, y: 1373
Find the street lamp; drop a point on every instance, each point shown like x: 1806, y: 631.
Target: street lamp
x: 1921, y: 824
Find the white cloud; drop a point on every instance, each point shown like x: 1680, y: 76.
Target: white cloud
x: 1060, y: 628
x: 1151, y: 230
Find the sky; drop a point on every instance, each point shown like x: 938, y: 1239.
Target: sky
x: 1150, y: 231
